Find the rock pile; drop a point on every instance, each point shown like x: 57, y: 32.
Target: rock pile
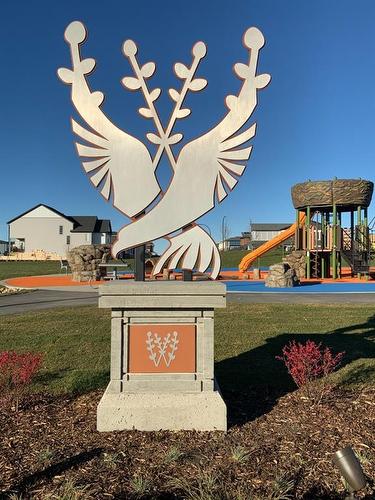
x: 281, y: 276
x: 84, y: 261
x: 297, y: 261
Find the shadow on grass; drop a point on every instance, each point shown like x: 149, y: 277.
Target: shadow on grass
x: 54, y: 470
x: 71, y: 381
x: 46, y: 378
x: 252, y: 382
x: 86, y: 381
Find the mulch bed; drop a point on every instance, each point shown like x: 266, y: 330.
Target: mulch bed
x: 51, y: 449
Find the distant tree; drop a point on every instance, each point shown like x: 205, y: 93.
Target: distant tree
x: 251, y: 246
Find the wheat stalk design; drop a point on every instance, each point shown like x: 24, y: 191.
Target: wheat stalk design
x: 155, y: 340
x: 164, y: 140
x: 174, y: 346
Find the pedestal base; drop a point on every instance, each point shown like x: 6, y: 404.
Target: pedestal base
x: 202, y: 411
x: 162, y: 357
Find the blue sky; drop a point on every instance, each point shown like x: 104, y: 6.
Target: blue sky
x: 315, y: 119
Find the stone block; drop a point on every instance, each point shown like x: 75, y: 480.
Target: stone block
x: 203, y: 411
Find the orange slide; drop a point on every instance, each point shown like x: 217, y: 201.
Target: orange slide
x: 269, y: 245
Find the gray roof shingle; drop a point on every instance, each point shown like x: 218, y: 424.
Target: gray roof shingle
x: 270, y: 226
x: 90, y: 224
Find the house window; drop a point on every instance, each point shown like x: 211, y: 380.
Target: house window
x: 61, y: 229
x: 68, y: 240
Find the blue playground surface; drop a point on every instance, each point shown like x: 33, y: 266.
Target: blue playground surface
x: 259, y: 287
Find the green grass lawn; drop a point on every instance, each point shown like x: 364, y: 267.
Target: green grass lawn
x: 232, y: 258
x: 17, y: 269
x: 14, y: 269
x: 76, y: 344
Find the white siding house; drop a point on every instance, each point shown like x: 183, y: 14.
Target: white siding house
x: 267, y: 231
x: 45, y: 228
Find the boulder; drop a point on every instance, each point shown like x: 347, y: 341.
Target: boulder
x: 281, y: 276
x: 84, y: 261
x: 297, y: 261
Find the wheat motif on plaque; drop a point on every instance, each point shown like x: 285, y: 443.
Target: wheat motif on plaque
x: 205, y: 171
x: 162, y: 348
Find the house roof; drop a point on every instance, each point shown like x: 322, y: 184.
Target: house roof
x: 90, y: 224
x: 82, y: 223
x: 37, y: 206
x: 270, y: 226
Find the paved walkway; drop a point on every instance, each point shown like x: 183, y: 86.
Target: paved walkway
x: 59, y: 291
x: 45, y: 299
x: 49, y: 298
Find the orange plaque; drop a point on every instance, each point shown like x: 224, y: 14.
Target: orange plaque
x: 157, y: 348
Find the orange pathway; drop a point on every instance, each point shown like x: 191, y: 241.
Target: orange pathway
x: 66, y: 280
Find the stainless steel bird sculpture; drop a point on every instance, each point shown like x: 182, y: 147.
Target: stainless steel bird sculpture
x: 206, y: 169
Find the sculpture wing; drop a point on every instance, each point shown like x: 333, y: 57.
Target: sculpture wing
x: 120, y: 165
x: 116, y: 163
x: 218, y: 153
x: 221, y: 159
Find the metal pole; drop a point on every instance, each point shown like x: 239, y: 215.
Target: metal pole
x: 359, y: 233
x: 139, y: 271
x: 222, y: 231
x: 334, y: 243
x: 308, y: 270
x: 352, y: 228
x: 339, y: 240
x: 329, y: 244
x: 323, y: 244
x: 296, y: 234
x: 367, y: 239
x: 139, y: 263
x: 187, y: 275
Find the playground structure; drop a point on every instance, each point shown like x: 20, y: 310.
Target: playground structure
x: 319, y: 230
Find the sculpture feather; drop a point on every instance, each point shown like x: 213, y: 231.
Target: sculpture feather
x: 117, y: 163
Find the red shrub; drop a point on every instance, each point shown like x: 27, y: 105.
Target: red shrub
x: 17, y: 371
x: 307, y: 362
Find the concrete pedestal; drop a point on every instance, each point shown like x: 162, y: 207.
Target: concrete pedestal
x: 162, y: 357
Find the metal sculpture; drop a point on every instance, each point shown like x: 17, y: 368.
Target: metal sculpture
x: 121, y: 167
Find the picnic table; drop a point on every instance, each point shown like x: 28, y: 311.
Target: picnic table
x: 115, y: 267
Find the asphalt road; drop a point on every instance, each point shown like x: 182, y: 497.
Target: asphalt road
x: 46, y: 299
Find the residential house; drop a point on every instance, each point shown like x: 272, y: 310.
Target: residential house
x: 265, y: 232
x: 232, y: 243
x: 45, y: 228
x: 258, y: 234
